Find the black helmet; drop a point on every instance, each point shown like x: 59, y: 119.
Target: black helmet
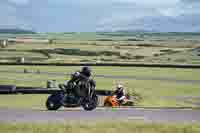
x: 86, y: 71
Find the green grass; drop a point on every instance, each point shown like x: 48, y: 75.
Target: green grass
x: 99, y: 127
x: 120, y: 42
x: 23, y: 101
x: 190, y: 74
x: 151, y: 90
x: 187, y: 57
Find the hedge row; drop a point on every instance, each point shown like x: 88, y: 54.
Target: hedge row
x: 107, y: 64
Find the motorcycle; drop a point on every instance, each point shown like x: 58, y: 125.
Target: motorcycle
x: 112, y: 101
x: 68, y: 97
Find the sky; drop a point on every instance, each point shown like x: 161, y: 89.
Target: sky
x: 101, y: 15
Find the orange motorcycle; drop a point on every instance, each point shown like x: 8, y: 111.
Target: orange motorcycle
x: 111, y: 101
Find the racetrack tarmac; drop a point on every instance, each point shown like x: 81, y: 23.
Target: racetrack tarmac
x: 64, y: 115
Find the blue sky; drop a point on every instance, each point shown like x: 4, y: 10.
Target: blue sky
x: 95, y: 15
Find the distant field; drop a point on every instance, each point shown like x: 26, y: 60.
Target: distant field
x: 100, y: 127
x: 120, y: 47
x: 151, y: 90
x: 182, y: 48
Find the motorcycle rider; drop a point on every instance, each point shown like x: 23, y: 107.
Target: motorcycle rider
x: 120, y: 93
x: 84, y: 75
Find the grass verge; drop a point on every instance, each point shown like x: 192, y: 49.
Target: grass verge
x: 100, y: 127
x: 150, y: 90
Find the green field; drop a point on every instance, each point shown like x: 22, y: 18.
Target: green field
x: 120, y: 47
x: 106, y: 47
x: 100, y: 127
x: 152, y: 91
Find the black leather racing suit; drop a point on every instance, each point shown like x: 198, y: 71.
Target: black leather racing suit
x: 81, y: 80
x: 120, y: 93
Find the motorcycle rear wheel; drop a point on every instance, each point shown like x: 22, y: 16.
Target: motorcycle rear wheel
x: 91, y: 103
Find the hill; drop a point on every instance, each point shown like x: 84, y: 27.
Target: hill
x: 16, y: 31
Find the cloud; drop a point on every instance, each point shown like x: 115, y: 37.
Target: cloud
x: 19, y: 2
x: 155, y: 14
x: 190, y: 1
x: 89, y: 15
x: 10, y: 16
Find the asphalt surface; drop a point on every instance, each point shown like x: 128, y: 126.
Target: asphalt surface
x: 147, y: 115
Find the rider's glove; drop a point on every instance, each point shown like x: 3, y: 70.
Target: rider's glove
x: 121, y: 98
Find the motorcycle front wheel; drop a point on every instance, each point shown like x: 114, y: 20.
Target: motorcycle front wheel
x: 90, y: 103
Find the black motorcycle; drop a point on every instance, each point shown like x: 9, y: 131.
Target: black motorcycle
x: 74, y: 94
